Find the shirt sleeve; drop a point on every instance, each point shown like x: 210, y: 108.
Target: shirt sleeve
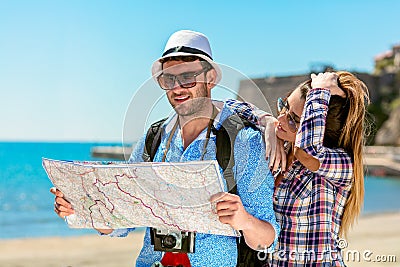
x: 255, y: 183
x: 335, y: 163
x: 137, y: 152
x: 248, y: 112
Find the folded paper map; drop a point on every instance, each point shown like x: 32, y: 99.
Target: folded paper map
x: 114, y: 195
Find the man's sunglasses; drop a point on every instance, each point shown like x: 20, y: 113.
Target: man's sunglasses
x: 185, y: 80
x: 283, y: 107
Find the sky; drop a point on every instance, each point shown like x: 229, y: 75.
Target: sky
x: 70, y: 70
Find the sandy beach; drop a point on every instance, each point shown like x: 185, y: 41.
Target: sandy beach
x: 374, y: 241
x: 91, y: 250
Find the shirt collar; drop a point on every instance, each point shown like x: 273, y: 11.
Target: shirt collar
x: 170, y: 122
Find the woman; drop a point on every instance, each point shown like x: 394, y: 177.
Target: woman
x: 319, y: 192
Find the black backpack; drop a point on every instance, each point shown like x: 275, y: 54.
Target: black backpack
x: 247, y: 257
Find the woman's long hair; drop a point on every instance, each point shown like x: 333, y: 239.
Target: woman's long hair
x: 345, y: 128
x: 352, y: 139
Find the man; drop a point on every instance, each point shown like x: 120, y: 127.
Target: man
x: 187, y: 73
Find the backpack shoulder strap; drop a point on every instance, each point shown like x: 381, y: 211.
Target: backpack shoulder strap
x: 225, y: 141
x: 153, y: 139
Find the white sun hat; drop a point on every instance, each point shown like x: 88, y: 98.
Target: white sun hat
x: 187, y: 43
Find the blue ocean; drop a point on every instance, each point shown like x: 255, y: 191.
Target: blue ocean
x: 26, y: 205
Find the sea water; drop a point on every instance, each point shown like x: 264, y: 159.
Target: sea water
x: 27, y: 206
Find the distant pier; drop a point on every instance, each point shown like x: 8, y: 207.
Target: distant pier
x: 379, y: 160
x: 111, y: 152
x: 382, y: 161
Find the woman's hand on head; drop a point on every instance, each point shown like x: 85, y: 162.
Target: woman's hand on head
x: 328, y: 80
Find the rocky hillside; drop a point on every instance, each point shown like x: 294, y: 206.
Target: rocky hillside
x: 389, y: 133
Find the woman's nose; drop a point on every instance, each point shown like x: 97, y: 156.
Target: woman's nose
x: 281, y: 116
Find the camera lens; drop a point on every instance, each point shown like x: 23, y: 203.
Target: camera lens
x: 169, y: 241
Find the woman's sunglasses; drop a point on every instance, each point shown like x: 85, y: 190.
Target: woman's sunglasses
x: 283, y: 107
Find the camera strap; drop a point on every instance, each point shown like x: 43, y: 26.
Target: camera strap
x: 209, y: 127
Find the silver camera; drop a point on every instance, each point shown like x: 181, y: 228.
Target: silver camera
x: 171, y: 241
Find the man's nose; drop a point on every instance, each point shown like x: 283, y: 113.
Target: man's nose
x: 176, y: 85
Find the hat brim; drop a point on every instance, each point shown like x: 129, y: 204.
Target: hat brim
x: 156, y: 69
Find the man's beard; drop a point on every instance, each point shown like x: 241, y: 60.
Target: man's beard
x: 194, y: 106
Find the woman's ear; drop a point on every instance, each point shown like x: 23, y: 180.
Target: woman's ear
x: 211, y: 78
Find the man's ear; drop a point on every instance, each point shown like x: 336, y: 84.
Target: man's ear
x: 211, y: 78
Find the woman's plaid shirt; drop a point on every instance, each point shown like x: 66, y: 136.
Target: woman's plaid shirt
x: 309, y: 205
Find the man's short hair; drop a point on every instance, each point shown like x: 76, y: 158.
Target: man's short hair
x: 204, y: 63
